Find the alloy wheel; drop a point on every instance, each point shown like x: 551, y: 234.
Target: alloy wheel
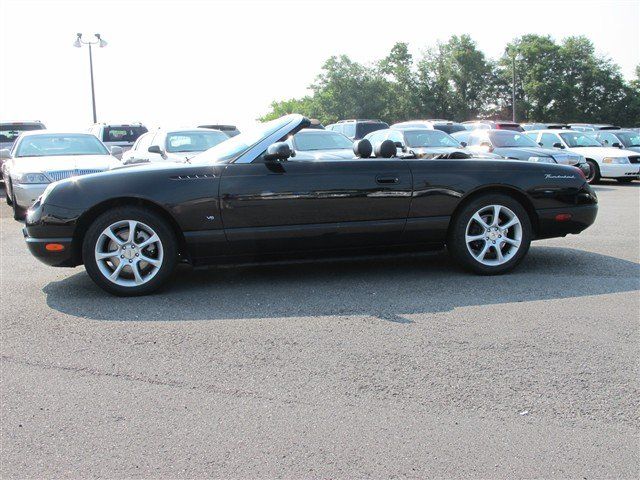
x: 129, y: 253
x: 493, y: 235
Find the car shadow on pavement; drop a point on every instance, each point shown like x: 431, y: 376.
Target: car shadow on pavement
x: 387, y: 288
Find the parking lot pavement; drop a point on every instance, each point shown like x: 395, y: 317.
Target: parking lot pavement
x: 391, y: 367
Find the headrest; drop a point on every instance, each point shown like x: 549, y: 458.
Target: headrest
x: 386, y: 149
x: 362, y: 148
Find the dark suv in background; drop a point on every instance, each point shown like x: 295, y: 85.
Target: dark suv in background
x: 9, y: 131
x: 357, y: 129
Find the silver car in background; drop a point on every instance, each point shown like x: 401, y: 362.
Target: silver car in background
x: 41, y: 158
x: 122, y: 135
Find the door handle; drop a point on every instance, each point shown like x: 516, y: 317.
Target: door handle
x: 387, y: 179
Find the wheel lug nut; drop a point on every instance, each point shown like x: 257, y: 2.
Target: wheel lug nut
x: 493, y: 242
x: 499, y: 236
x: 131, y: 261
x: 137, y: 254
x: 121, y: 256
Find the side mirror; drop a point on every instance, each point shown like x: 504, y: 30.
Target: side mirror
x: 616, y: 145
x: 117, y: 152
x: 486, y: 146
x: 464, y: 144
x: 541, y: 144
x: 156, y: 149
x: 5, y: 154
x: 279, y: 151
x: 558, y: 145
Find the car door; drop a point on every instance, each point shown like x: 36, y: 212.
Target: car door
x: 314, y: 204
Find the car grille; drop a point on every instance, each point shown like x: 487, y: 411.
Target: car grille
x: 62, y: 174
x: 634, y: 159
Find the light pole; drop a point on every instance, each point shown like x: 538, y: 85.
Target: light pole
x: 514, y: 57
x: 101, y: 43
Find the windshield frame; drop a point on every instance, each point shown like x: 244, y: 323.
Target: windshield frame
x: 272, y: 132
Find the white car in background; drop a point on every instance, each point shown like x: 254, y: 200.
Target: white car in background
x: 172, y: 145
x: 39, y: 158
x: 311, y: 143
x: 604, y: 162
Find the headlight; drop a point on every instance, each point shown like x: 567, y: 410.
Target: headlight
x: 616, y: 160
x: 542, y: 159
x: 31, y: 178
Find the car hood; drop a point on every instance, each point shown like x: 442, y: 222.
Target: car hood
x: 523, y: 153
x: 63, y: 163
x: 602, y: 152
x: 633, y: 149
x: 337, y: 154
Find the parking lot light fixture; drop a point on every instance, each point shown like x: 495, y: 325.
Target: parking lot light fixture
x: 101, y: 43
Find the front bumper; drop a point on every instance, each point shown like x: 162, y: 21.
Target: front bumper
x: 624, y: 170
x: 59, y: 258
x: 27, y: 193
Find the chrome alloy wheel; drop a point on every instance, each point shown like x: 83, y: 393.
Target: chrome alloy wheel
x: 493, y: 235
x: 129, y: 253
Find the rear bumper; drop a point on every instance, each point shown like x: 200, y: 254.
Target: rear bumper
x: 549, y: 225
x: 60, y: 258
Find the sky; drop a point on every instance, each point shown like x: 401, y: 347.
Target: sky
x: 180, y: 63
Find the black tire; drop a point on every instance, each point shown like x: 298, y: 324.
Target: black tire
x: 147, y: 217
x: 456, y: 243
x: 594, y: 174
x: 626, y: 180
x: 7, y: 195
x: 19, y: 213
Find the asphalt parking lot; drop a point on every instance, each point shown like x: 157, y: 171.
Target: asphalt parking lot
x: 391, y: 367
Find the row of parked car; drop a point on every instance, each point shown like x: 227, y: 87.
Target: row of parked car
x: 33, y: 157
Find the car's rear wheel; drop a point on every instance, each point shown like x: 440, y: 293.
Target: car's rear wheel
x: 490, y: 235
x: 129, y: 251
x: 594, y: 172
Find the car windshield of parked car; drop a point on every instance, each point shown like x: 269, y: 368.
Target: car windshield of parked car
x: 236, y: 146
x: 122, y: 133
x: 9, y: 132
x: 430, y: 138
x: 324, y: 140
x: 194, y: 141
x: 576, y: 139
x: 629, y: 139
x: 511, y: 139
x: 57, y: 145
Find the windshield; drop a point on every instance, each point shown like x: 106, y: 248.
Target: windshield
x: 511, y: 139
x: 236, y: 146
x: 122, y: 133
x: 629, y: 139
x: 430, y: 138
x: 195, y: 141
x: 57, y: 145
x: 9, y: 132
x: 579, y: 139
x: 321, y: 140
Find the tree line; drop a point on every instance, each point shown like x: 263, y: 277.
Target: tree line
x: 555, y: 82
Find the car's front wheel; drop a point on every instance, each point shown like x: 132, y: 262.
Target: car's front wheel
x: 129, y: 251
x: 490, y: 235
x: 594, y: 172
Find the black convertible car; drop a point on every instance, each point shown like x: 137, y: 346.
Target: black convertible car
x: 249, y: 197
